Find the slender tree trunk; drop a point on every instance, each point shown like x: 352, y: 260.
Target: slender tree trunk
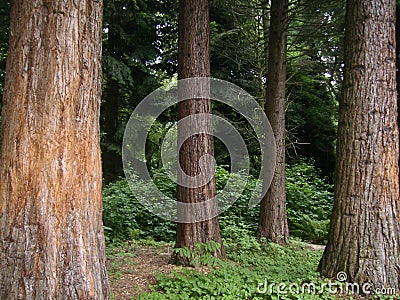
x: 194, y: 61
x: 51, y: 231
x: 364, y: 234
x: 273, y: 220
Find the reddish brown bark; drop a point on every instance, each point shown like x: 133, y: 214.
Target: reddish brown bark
x: 194, y: 61
x: 51, y: 231
x: 364, y: 234
x: 273, y: 219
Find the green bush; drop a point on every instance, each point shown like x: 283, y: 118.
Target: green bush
x: 202, y: 254
x: 239, y: 215
x: 309, y: 205
x: 309, y: 202
x: 126, y: 218
x: 238, y: 239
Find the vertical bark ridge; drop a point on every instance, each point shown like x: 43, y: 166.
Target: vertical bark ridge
x: 364, y: 234
x: 52, y: 242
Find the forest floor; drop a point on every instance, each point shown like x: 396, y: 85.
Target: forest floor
x: 132, y: 266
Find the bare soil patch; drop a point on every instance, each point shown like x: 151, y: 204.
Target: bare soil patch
x: 132, y: 268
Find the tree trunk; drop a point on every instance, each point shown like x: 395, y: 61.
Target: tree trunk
x: 364, y: 232
x: 51, y: 231
x: 397, y: 34
x: 273, y: 220
x: 194, y: 61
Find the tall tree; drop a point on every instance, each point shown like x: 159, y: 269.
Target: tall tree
x: 364, y: 234
x: 273, y: 220
x: 194, y: 61
x: 51, y: 231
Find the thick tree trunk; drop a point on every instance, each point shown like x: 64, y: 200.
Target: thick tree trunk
x: 273, y: 220
x: 194, y: 61
x: 364, y: 234
x: 51, y: 231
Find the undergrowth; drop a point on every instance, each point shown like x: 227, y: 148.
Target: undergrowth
x: 309, y: 205
x: 251, y: 271
x: 255, y: 271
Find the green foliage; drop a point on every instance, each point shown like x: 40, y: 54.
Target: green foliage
x: 239, y: 240
x: 309, y: 202
x: 240, y: 278
x: 312, y: 230
x: 309, y: 205
x: 314, y: 69
x: 311, y: 116
x: 234, y: 45
x: 140, y: 54
x: 202, y: 254
x: 138, y: 39
x: 252, y: 274
x: 239, y: 215
x: 118, y: 256
x: 125, y: 218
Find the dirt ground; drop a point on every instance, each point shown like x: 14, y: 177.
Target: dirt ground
x: 132, y: 268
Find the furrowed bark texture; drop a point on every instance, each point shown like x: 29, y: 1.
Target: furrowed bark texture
x: 364, y: 233
x: 194, y: 61
x: 51, y: 231
x: 273, y: 219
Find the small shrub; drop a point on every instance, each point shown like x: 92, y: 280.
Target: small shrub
x: 309, y: 202
x: 201, y: 254
x: 238, y: 239
x: 125, y: 218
